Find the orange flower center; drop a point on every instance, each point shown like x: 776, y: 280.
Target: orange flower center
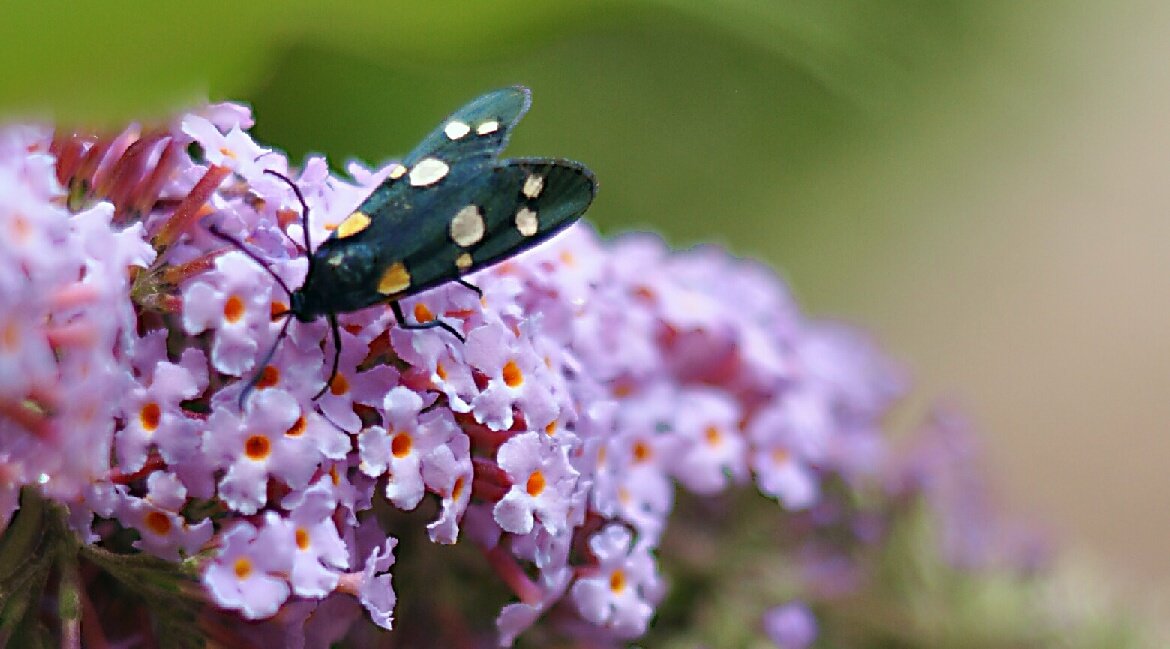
x: 276, y: 309
x: 513, y: 377
x: 287, y: 217
x: 401, y: 444
x: 422, y: 314
x: 257, y: 447
x: 617, y: 581
x: 339, y: 385
x: 149, y: 417
x: 457, y: 490
x: 535, y: 485
x: 642, y: 451
x: 233, y: 309
x: 11, y: 337
x: 20, y: 228
x: 158, y: 522
x: 624, y: 496
x: 298, y: 427
x: 302, y: 536
x: 269, y: 376
x: 713, y: 436
x: 441, y: 371
x: 243, y: 568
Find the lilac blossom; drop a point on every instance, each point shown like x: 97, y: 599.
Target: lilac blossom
x: 597, y: 378
x: 788, y: 439
x: 516, y: 378
x: 712, y: 449
x: 351, y: 386
x: 542, y: 483
x: 515, y: 618
x: 267, y: 441
x: 375, y: 591
x: 234, y: 300
x: 447, y: 469
x: 152, y: 411
x: 791, y: 626
x: 246, y: 573
x: 320, y: 551
x: 164, y: 531
x: 398, y: 451
x: 625, y: 587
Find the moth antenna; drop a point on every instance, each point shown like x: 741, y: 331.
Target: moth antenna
x: 263, y: 364
x: 304, y: 212
x: 238, y: 245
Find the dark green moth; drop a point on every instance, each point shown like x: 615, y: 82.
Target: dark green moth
x: 449, y: 208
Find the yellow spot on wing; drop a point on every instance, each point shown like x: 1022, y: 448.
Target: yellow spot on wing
x: 463, y: 262
x: 353, y: 224
x: 394, y: 280
x: 397, y: 172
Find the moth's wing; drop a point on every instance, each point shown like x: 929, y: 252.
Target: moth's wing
x: 410, y: 219
x: 397, y: 217
x: 478, y: 130
x: 533, y: 199
x: 522, y: 203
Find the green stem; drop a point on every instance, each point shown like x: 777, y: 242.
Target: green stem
x: 69, y: 595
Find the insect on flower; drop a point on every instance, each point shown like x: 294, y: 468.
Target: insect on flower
x: 448, y: 209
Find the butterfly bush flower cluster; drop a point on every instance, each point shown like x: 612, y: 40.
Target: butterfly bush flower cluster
x: 596, y: 380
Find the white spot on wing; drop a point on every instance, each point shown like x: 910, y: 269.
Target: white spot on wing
x: 427, y: 172
x: 467, y: 227
x: 490, y: 126
x: 533, y: 185
x: 526, y: 222
x: 456, y: 129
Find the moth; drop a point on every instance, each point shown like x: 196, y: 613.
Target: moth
x: 449, y: 208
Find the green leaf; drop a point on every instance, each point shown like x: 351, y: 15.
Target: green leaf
x: 24, y: 534
x: 19, y: 619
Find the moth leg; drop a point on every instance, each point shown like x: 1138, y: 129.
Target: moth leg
x: 400, y: 317
x: 332, y: 317
x: 263, y: 364
x: 468, y: 285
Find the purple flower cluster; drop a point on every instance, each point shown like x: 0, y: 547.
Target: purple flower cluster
x: 596, y: 378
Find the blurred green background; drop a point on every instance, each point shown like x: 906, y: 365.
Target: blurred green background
x: 981, y: 183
